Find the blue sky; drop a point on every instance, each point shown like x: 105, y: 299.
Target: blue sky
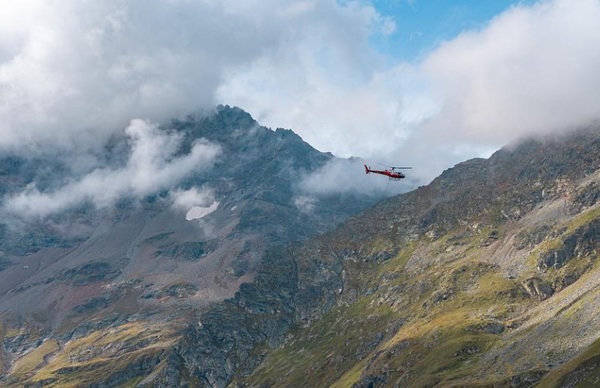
x: 422, y: 24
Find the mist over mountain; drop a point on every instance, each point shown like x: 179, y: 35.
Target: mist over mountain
x: 161, y: 221
x: 244, y: 272
x: 151, y: 237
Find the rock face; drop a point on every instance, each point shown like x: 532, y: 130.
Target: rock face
x: 73, y: 275
x: 485, y: 277
x: 582, y: 242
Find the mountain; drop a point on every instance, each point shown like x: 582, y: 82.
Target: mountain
x: 487, y: 276
x: 93, y: 294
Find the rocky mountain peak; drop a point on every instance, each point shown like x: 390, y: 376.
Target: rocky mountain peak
x: 487, y: 276
x: 157, y: 257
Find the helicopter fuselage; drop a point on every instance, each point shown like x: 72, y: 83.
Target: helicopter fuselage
x: 393, y: 175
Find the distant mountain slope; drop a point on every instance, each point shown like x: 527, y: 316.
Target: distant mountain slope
x: 140, y: 267
x: 486, y: 277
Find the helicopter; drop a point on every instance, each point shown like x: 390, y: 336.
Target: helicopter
x: 392, y: 173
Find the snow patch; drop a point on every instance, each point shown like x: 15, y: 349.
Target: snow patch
x: 197, y: 212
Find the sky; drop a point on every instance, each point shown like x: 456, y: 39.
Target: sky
x: 426, y: 83
x: 420, y: 26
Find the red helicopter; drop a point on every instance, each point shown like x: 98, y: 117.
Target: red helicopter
x: 391, y: 173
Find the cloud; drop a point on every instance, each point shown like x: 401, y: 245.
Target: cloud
x: 326, y: 83
x: 347, y: 176
x: 185, y: 199
x: 151, y: 166
x: 531, y: 70
x: 304, y: 203
x: 196, y: 202
x: 74, y: 72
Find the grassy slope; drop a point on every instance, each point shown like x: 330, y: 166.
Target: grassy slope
x: 453, y: 318
x: 98, y: 354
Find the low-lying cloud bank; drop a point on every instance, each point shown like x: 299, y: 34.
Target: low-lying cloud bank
x: 152, y: 166
x: 348, y: 176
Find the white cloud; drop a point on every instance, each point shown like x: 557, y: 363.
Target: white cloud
x: 532, y: 69
x: 347, y: 176
x: 196, y: 202
x: 151, y: 167
x: 185, y: 199
x: 72, y: 72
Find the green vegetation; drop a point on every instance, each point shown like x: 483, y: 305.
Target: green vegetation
x: 413, y: 327
x: 435, y: 313
x: 109, y: 353
x: 583, y: 370
x: 35, y: 358
x: 319, y: 354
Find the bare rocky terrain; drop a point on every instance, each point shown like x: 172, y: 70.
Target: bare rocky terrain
x: 488, y: 276
x: 145, y: 263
